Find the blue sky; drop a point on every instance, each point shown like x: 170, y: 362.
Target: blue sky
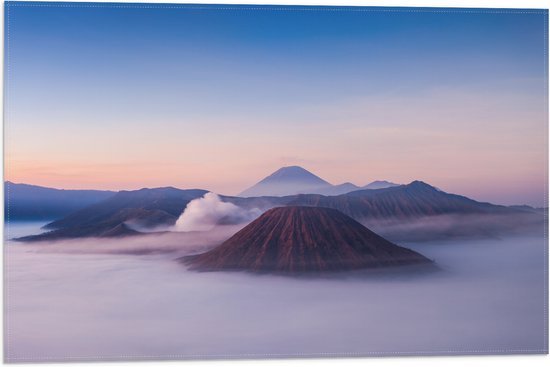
x: 218, y: 98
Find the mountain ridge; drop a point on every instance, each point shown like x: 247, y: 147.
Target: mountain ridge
x: 379, y: 184
x: 293, y: 180
x: 154, y: 208
x: 34, y: 202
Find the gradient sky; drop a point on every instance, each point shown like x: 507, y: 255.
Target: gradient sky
x: 124, y: 98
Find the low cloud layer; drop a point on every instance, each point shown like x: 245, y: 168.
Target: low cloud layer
x: 449, y: 227
x: 172, y: 244
x: 77, y: 300
x: 205, y: 213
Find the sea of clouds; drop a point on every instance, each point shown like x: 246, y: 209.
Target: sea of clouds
x: 95, y: 299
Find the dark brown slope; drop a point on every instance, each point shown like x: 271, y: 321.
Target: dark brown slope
x: 299, y: 239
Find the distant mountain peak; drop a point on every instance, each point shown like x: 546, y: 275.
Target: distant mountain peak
x: 380, y: 184
x: 295, y: 173
x: 289, y: 180
x: 292, y: 168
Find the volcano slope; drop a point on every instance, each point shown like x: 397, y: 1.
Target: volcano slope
x: 296, y: 239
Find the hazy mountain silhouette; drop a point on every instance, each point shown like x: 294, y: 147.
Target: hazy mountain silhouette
x: 164, y: 202
x: 287, y: 181
x: 416, y: 199
x: 417, y: 212
x: 148, y: 208
x: 336, y: 189
x: 122, y: 214
x: 301, y: 239
x: 297, y: 180
x: 30, y: 202
x: 379, y: 185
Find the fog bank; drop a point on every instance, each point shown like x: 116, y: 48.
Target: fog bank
x: 488, y: 297
x: 453, y: 227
